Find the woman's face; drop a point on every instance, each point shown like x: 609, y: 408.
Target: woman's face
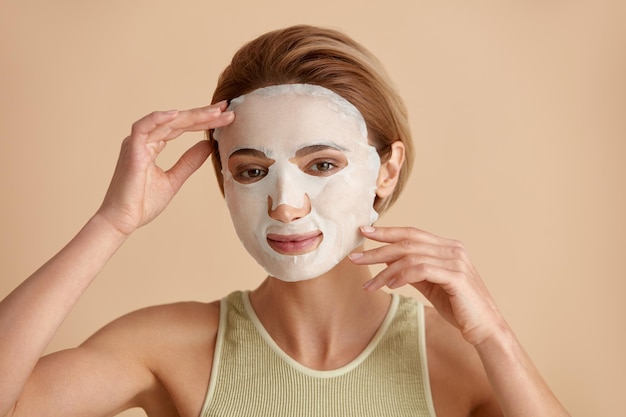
x: 299, y: 178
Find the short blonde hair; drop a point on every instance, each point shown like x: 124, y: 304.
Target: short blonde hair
x: 326, y: 57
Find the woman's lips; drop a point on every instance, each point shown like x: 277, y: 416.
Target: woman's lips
x: 295, y: 244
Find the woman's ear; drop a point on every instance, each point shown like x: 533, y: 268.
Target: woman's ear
x: 390, y: 171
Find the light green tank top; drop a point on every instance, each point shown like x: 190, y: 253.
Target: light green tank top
x: 253, y: 377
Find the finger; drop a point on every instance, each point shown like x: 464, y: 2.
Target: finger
x: 406, y: 240
x: 187, y: 118
x: 167, y: 133
x: 412, y: 270
x: 407, y: 272
x: 397, y: 234
x: 189, y: 163
x: 191, y: 121
x: 395, y: 251
x: 148, y: 123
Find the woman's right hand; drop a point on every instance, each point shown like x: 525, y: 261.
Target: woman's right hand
x: 140, y: 190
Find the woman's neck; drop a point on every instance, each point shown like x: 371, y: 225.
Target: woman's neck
x: 325, y: 322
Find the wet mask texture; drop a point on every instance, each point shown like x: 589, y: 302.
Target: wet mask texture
x: 299, y: 178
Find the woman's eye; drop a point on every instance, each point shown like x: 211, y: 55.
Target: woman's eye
x: 249, y: 175
x: 253, y: 173
x: 323, y: 167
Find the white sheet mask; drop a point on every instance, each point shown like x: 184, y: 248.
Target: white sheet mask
x: 321, y: 127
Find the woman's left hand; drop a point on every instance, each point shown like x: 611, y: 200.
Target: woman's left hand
x: 441, y: 270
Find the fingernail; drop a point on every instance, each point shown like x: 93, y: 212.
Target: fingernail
x: 368, y: 284
x: 222, y: 104
x: 355, y: 255
x: 391, y: 283
x: 367, y: 229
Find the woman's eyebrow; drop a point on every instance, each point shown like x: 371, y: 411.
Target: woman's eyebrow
x: 249, y: 152
x: 317, y: 148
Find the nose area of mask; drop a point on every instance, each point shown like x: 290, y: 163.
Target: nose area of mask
x: 287, y: 186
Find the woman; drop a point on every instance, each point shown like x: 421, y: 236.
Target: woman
x: 314, y: 146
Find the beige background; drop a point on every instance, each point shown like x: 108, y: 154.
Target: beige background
x: 518, y: 111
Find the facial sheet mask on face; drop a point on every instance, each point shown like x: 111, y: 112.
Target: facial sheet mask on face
x: 299, y: 178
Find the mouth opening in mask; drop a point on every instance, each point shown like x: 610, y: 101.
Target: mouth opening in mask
x: 295, y: 244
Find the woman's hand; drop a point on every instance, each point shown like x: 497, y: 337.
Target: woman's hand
x: 140, y: 190
x: 441, y: 270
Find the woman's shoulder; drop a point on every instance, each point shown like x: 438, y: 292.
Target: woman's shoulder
x: 165, y: 320
x: 163, y: 334
x: 178, y: 316
x: 172, y: 342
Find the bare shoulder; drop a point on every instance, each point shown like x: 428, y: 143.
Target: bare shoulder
x: 176, y: 341
x: 158, y: 358
x: 455, y: 371
x: 161, y: 322
x: 175, y: 344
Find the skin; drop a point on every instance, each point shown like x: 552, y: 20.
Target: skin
x: 160, y: 358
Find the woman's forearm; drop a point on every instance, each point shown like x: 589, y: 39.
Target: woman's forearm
x: 33, y: 312
x: 517, y: 384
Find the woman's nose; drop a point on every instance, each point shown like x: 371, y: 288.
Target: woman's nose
x: 287, y: 213
x: 288, y: 200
